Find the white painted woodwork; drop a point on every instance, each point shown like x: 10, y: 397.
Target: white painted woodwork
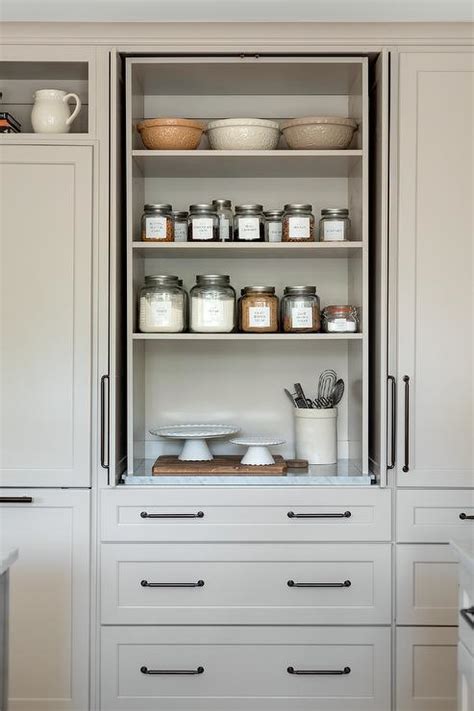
x: 46, y: 287
x: 425, y: 675
x: 465, y: 679
x: 427, y: 585
x: 256, y: 514
x: 466, y: 601
x: 246, y: 584
x: 434, y: 516
x: 245, y: 668
x: 435, y: 267
x: 49, y: 599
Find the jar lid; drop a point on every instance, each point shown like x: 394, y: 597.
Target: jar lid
x: 257, y: 290
x: 249, y: 208
x: 300, y: 290
x: 161, y: 279
x: 179, y: 214
x: 335, y: 309
x: 298, y: 207
x: 328, y: 211
x: 202, y: 207
x: 273, y: 213
x: 212, y: 279
x: 222, y: 203
x: 158, y: 207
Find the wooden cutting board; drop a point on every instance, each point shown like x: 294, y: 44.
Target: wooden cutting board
x: 222, y: 465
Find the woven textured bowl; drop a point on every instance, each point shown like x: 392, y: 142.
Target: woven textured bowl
x: 243, y: 134
x: 168, y: 134
x: 319, y: 132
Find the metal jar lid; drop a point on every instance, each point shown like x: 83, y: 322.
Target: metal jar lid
x: 300, y: 290
x: 162, y: 207
x: 202, y: 208
x: 248, y: 209
x: 257, y: 290
x: 161, y: 279
x: 179, y: 214
x: 298, y: 207
x: 335, y: 212
x: 227, y: 204
x: 273, y: 213
x: 214, y: 279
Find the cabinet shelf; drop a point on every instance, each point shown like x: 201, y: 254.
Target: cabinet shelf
x: 237, y: 250
x: 248, y: 336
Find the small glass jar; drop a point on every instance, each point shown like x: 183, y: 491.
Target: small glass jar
x: 162, y: 307
x: 334, y: 225
x: 258, y: 310
x: 212, y: 304
x: 298, y: 223
x: 223, y: 208
x: 340, y: 319
x: 203, y: 223
x: 300, y: 311
x: 249, y: 223
x: 157, y: 223
x: 180, y: 222
x: 273, y: 225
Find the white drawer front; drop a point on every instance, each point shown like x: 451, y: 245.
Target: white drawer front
x: 201, y: 514
x: 435, y: 516
x: 427, y: 585
x: 466, y: 604
x: 426, y: 669
x: 245, y: 668
x: 465, y: 679
x: 246, y: 583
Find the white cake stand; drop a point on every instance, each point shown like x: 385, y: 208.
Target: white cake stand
x: 195, y: 447
x: 257, y: 453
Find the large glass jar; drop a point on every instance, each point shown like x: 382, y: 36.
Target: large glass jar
x: 298, y: 223
x: 300, y: 312
x: 157, y: 223
x: 226, y: 219
x: 273, y: 225
x: 180, y: 221
x: 162, y: 306
x: 258, y: 310
x: 249, y: 223
x: 212, y: 304
x: 203, y: 223
x: 334, y: 225
x: 340, y: 319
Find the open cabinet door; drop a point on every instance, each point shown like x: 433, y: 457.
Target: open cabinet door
x: 117, y: 318
x: 378, y: 260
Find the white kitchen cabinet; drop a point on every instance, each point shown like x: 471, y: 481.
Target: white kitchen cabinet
x: 50, y: 597
x: 465, y: 679
x: 434, y: 516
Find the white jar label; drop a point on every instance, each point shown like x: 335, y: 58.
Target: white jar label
x: 259, y: 316
x: 249, y: 228
x: 160, y: 313
x: 224, y: 228
x: 212, y: 312
x: 180, y: 232
x: 301, y: 317
x: 274, y: 231
x: 333, y: 230
x: 341, y: 325
x: 202, y: 228
x: 299, y: 227
x: 155, y: 227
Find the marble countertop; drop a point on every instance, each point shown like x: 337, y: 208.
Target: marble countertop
x: 464, y: 552
x: 7, y: 558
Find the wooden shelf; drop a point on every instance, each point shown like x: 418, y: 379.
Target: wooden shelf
x: 247, y: 336
x: 238, y: 250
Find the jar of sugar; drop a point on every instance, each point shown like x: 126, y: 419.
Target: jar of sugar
x: 212, y: 304
x: 162, y: 305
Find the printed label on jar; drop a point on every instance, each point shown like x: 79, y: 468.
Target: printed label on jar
x: 160, y: 313
x: 274, y: 231
x: 223, y: 228
x: 180, y: 232
x: 333, y: 231
x: 212, y: 312
x: 299, y: 227
x: 341, y: 325
x: 155, y: 227
x: 249, y: 228
x: 259, y: 316
x: 202, y: 228
x: 301, y: 317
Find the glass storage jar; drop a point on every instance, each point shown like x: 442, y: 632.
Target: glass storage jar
x: 340, y: 319
x: 157, y: 223
x: 300, y: 312
x: 203, y: 223
x: 249, y: 223
x: 180, y: 222
x: 212, y: 304
x: 298, y: 223
x: 162, y: 305
x: 273, y: 225
x: 226, y: 219
x: 258, y: 310
x: 334, y: 225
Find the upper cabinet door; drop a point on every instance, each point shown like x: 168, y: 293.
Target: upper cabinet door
x: 435, y: 269
x: 46, y: 313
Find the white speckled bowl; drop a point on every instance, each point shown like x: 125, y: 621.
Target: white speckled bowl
x: 243, y: 134
x: 319, y: 132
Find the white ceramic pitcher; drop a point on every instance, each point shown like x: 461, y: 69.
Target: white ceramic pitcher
x: 51, y: 112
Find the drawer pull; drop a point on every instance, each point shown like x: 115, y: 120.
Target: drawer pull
x: 345, y: 584
x: 146, y: 584
x: 319, y: 672
x: 199, y: 514
x: 292, y: 514
x: 466, y: 517
x: 406, y: 466
x: 468, y: 615
x: 16, y: 499
x: 174, y: 672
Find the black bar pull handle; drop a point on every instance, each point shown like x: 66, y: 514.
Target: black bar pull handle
x: 393, y: 424
x: 197, y: 584
x: 16, y: 499
x: 319, y: 672
x: 468, y: 614
x: 466, y: 517
x: 174, y: 672
x: 104, y: 460
x: 292, y: 514
x: 406, y: 466
x: 145, y: 514
x: 345, y: 584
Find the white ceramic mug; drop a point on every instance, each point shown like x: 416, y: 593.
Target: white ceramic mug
x: 51, y: 112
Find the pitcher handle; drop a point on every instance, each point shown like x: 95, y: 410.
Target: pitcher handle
x: 76, y: 110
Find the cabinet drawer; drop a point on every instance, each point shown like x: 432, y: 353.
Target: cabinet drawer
x: 427, y: 585
x: 245, y: 514
x: 465, y: 679
x: 434, y: 516
x: 245, y: 668
x: 246, y: 583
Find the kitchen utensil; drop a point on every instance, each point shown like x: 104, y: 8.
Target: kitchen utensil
x: 238, y: 134
x: 195, y: 446
x: 337, y: 393
x: 322, y: 403
x: 319, y: 132
x: 166, y: 134
x: 301, y: 397
x: 258, y: 453
x: 290, y: 397
x: 327, y: 380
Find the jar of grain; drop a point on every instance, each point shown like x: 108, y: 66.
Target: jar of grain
x: 249, y: 223
x: 298, y: 223
x: 334, y: 225
x: 157, y: 223
x: 162, y: 306
x: 180, y: 221
x: 259, y: 310
x: 340, y: 319
x: 224, y: 212
x: 203, y: 223
x: 300, y: 312
x: 273, y: 225
x: 212, y: 304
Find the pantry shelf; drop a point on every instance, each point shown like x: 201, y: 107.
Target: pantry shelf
x: 237, y: 250
x: 248, y: 336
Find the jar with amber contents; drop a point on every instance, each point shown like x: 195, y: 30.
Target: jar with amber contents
x: 157, y: 223
x: 300, y: 312
x: 258, y: 310
x: 298, y: 223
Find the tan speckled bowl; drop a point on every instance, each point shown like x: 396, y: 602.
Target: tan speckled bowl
x: 319, y: 132
x: 171, y: 134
